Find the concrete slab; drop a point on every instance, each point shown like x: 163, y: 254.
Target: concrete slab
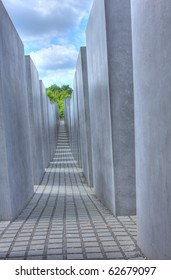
x: 152, y: 85
x: 15, y: 168
x: 45, y: 124
x: 109, y: 58
x: 67, y: 117
x: 84, y: 115
x: 77, y: 145
x: 75, y: 124
x: 53, y: 118
x: 34, y: 101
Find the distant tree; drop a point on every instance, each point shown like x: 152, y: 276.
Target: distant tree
x: 58, y: 94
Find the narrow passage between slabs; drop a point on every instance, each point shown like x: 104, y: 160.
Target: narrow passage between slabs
x: 64, y: 219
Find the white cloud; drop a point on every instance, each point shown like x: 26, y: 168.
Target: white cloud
x: 46, y: 18
x: 56, y: 63
x: 52, y: 32
x: 62, y: 77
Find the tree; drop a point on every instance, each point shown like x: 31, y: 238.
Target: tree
x: 58, y: 94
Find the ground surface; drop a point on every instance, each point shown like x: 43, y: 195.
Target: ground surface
x: 64, y: 219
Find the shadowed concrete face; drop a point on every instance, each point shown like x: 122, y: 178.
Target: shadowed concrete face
x: 109, y: 58
x: 75, y: 124
x: 53, y: 118
x: 15, y: 168
x: 151, y: 21
x: 67, y: 117
x: 84, y: 115
x: 34, y: 100
x: 45, y: 124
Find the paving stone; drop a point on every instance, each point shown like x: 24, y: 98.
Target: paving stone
x: 3, y: 255
x: 74, y: 245
x: 74, y: 240
x: 21, y: 243
x: 70, y: 235
x: 5, y: 245
x: 74, y: 257
x: 111, y: 249
x: 124, y: 238
x: 114, y: 255
x: 54, y: 257
x: 15, y: 258
x: 19, y: 248
x: 106, y: 238
x: 22, y: 239
x: 126, y: 242
x: 35, y: 252
x: 54, y: 251
x: 95, y: 256
x: 17, y: 254
x: 55, y: 246
x: 133, y: 254
x: 122, y: 233
x: 38, y: 237
x: 89, y: 239
x: 128, y: 248
x: 37, y: 242
x: 137, y: 258
x: 37, y: 247
x: 9, y: 235
x: 93, y: 250
x: 24, y: 235
x: 74, y: 250
x: 35, y: 258
x: 4, y: 249
x: 6, y: 240
x: 91, y: 244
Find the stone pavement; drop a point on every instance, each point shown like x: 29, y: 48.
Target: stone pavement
x: 64, y: 219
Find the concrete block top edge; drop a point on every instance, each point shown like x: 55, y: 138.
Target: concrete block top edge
x: 12, y: 24
x: 81, y: 52
x: 31, y: 63
x: 42, y: 84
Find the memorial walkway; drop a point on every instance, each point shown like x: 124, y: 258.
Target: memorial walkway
x: 64, y: 219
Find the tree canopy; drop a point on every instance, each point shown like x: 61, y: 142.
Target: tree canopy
x: 58, y: 94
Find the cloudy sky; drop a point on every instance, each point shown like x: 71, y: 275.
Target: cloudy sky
x: 52, y: 32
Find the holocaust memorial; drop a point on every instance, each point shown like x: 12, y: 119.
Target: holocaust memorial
x: 117, y: 122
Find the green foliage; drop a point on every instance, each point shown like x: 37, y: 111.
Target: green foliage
x: 58, y: 94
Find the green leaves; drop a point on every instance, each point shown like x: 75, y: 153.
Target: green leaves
x: 58, y: 94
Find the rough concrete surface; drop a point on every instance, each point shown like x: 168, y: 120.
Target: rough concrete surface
x: 151, y: 21
x: 84, y: 115
x: 34, y: 100
x: 45, y: 125
x: 15, y: 168
x: 111, y: 100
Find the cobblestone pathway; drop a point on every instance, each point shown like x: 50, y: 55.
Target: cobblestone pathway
x: 64, y: 219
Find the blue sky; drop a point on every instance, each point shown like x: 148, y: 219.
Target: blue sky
x: 52, y: 32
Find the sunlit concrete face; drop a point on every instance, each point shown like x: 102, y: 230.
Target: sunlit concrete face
x: 15, y: 168
x: 110, y: 79
x: 151, y: 21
